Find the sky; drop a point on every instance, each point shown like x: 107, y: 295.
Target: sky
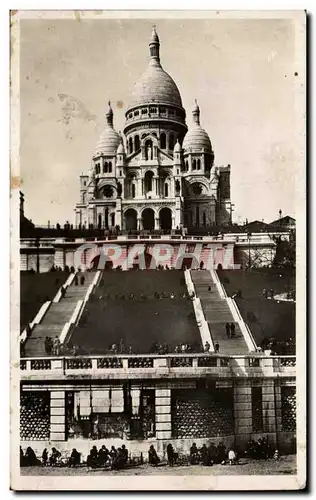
x: 243, y: 73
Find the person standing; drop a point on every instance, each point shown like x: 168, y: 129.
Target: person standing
x: 232, y: 330
x: 228, y: 330
x: 47, y: 346
x: 56, y: 346
x: 216, y: 346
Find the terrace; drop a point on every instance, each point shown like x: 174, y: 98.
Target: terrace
x: 170, y: 366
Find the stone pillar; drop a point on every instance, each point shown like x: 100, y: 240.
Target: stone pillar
x: 163, y: 413
x: 157, y: 225
x: 156, y: 189
x: 278, y: 406
x: 172, y: 188
x: 143, y: 190
x: 139, y: 223
x: 268, y: 407
x: 57, y: 416
x: 23, y: 261
x: 59, y: 258
x: 242, y: 412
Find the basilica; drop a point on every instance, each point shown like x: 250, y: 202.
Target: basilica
x: 160, y: 174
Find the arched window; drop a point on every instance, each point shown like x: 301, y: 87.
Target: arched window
x: 193, y: 164
x: 204, y: 219
x: 198, y: 164
x: 130, y: 142
x: 105, y: 167
x: 177, y: 186
x: 197, y: 217
x: 110, y: 167
x: 99, y: 221
x: 97, y: 168
x: 113, y: 219
x: 186, y: 165
x: 166, y: 189
x: 137, y: 143
x: 163, y: 141
x: 133, y: 191
x: 171, y: 142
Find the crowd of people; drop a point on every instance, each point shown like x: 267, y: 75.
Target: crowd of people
x: 118, y: 458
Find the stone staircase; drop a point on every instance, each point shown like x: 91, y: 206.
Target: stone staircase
x: 57, y: 315
x: 217, y: 313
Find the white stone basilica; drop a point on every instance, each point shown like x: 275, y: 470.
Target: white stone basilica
x: 160, y: 175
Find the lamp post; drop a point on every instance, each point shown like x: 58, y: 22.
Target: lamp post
x: 249, y: 254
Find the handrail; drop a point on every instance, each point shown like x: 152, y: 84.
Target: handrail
x: 169, y: 355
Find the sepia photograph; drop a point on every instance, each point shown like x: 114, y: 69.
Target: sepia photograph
x: 158, y: 272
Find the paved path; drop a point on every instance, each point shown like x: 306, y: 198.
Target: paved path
x: 284, y: 466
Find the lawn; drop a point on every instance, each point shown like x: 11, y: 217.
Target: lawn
x: 140, y: 321
x: 35, y: 289
x: 266, y: 318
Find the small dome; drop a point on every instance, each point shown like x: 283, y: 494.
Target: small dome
x: 177, y: 148
x: 121, y: 149
x: 109, y: 138
x: 197, y: 139
x: 108, y: 142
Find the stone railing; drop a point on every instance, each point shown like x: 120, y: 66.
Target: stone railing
x: 239, y: 238
x: 159, y: 366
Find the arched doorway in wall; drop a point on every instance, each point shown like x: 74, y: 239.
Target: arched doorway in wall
x: 165, y: 218
x: 148, y: 181
x: 148, y: 217
x: 130, y: 218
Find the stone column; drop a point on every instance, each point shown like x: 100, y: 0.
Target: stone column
x: 242, y: 412
x: 57, y: 416
x: 172, y: 188
x: 163, y: 413
x: 157, y: 225
x: 139, y: 223
x: 156, y: 189
x: 278, y: 406
x: 268, y: 408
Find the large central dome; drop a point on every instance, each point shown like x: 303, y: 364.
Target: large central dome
x: 155, y: 85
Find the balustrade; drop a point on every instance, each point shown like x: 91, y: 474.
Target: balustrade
x: 140, y: 362
x: 207, y: 361
x: 94, y: 363
x: 287, y: 361
x: 224, y: 362
x: 109, y: 363
x: 41, y: 364
x: 254, y: 362
x: 179, y: 362
x: 78, y: 363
